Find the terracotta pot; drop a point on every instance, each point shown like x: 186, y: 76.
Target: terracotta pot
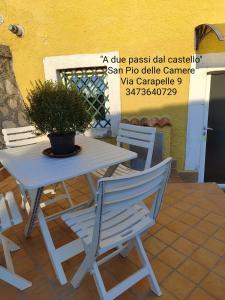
x: 62, y: 143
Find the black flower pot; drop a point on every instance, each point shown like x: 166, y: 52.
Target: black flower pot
x: 62, y: 143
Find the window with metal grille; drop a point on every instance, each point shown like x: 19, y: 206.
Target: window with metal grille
x: 92, y: 82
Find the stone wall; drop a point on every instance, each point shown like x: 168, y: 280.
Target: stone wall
x: 11, y: 103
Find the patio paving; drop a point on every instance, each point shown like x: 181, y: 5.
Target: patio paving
x: 186, y: 248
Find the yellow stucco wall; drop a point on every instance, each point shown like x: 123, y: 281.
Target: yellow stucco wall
x: 133, y: 27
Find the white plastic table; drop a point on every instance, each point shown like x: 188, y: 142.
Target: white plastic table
x: 34, y: 171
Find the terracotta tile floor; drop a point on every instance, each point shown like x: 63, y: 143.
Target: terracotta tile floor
x: 186, y: 248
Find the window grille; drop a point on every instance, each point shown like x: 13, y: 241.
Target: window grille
x: 92, y: 82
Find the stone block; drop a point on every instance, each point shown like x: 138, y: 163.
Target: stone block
x: 5, y: 51
x: 8, y: 124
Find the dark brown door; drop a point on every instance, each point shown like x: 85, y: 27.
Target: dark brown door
x: 215, y: 145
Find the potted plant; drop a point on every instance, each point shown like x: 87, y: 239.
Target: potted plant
x: 58, y: 111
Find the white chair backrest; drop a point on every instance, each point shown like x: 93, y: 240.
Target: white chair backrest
x: 120, y: 193
x: 20, y: 136
x: 9, y: 212
x: 140, y: 136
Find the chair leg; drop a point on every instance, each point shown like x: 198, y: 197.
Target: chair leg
x: 14, y: 279
x: 81, y: 272
x: 67, y: 193
x: 10, y: 244
x: 145, y: 261
x: 99, y: 282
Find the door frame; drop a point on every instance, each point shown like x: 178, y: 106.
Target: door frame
x: 201, y: 173
x: 198, y: 106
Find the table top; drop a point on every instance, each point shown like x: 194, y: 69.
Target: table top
x: 33, y: 169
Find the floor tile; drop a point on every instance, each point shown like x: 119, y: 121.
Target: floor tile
x: 160, y: 268
x: 171, y: 257
x: 188, y: 219
x: 82, y: 293
x: 170, y: 200
x: 120, y: 267
x: 127, y: 296
x: 215, y: 246
x: 192, y: 270
x: 220, y: 234
x: 9, y: 292
x: 141, y: 289
x: 178, y: 285
x: 209, y: 205
x: 183, y: 205
x: 215, y: 286
x: 198, y: 212
x: 166, y: 295
x: 195, y: 236
x: 44, y: 292
x: 153, y: 229
x: 178, y: 227
x: 205, y: 257
x: 215, y: 219
x: 200, y: 294
x: 153, y: 245
x: 164, y: 219
x: 173, y: 212
x: 206, y: 227
x: 220, y: 268
x: 167, y: 236
x: 185, y: 246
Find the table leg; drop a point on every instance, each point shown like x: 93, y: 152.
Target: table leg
x: 109, y: 172
x: 35, y: 196
x: 23, y: 195
x: 91, y: 183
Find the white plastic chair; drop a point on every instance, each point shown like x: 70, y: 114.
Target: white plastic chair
x: 140, y: 136
x: 25, y: 136
x: 9, y: 216
x: 117, y: 222
x: 20, y: 136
